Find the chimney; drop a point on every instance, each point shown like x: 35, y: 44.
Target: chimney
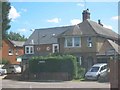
x: 86, y: 14
x: 99, y: 22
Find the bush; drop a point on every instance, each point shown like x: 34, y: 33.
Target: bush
x: 80, y: 72
x: 54, y: 63
x: 5, y: 61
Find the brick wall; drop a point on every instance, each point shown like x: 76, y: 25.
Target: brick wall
x: 5, y: 52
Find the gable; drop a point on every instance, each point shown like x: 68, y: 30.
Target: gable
x: 73, y: 31
x: 107, y: 46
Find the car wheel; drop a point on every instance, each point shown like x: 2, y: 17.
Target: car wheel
x: 98, y: 77
x: 13, y: 72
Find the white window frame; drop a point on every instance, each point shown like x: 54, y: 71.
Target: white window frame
x: 10, y: 51
x: 16, y: 52
x: 89, y: 42
x: 73, y: 41
x: 79, y: 42
x: 66, y: 38
x: 29, y: 51
x: 54, y: 48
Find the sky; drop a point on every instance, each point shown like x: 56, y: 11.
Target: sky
x: 27, y: 16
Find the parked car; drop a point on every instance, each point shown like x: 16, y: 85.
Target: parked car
x: 105, y: 76
x: 2, y: 71
x: 95, y: 71
x: 12, y: 68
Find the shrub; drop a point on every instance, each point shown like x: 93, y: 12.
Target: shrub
x: 54, y: 63
x: 5, y: 61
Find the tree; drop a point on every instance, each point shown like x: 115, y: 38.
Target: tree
x: 4, y: 19
x: 16, y: 36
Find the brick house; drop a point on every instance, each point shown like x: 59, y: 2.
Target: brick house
x: 11, y: 50
x: 86, y: 40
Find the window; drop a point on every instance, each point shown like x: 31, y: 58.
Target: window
x: 55, y: 48
x: 94, y: 69
x: 16, y: 52
x: 69, y: 41
x: 29, y: 50
x: 72, y: 42
x: 76, y: 41
x: 10, y: 52
x: 89, y: 42
x: 79, y: 60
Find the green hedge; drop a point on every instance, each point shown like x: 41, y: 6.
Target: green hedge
x: 59, y: 63
x: 4, y: 61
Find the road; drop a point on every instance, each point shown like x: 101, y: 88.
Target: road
x: 7, y: 83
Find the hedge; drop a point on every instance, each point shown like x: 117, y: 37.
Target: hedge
x: 60, y: 63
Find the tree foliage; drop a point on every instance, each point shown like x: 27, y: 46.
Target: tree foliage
x: 16, y: 36
x: 5, y: 6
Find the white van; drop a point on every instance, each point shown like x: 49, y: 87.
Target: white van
x: 95, y: 71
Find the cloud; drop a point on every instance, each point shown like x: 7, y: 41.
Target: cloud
x: 80, y: 4
x: 13, y: 14
x: 54, y: 20
x: 108, y: 26
x: 22, y: 30
x: 75, y: 21
x: 24, y: 10
x: 115, y: 18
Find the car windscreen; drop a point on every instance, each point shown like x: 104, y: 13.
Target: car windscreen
x: 94, y: 69
x: 16, y: 66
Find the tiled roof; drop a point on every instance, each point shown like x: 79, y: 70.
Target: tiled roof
x: 74, y: 31
x: 115, y: 46
x: 102, y: 31
x: 17, y: 43
x: 46, y: 36
x: 109, y: 48
x: 86, y: 28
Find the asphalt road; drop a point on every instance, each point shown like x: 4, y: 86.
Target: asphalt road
x: 7, y: 83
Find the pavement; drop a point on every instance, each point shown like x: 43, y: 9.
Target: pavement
x: 3, y: 76
x: 11, y: 84
x: 65, y: 84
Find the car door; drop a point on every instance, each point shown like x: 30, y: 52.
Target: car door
x: 11, y: 69
x: 103, y: 69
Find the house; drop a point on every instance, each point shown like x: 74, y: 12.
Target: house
x: 11, y: 50
x: 86, y: 40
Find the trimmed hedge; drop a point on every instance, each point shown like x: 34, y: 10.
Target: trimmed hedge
x: 59, y: 63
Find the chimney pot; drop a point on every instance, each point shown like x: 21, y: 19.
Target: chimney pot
x: 99, y: 22
x: 86, y: 14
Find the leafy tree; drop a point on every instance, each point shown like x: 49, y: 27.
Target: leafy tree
x: 16, y: 36
x: 5, y: 6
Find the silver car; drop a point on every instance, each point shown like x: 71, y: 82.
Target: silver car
x: 95, y: 71
x: 12, y: 68
x: 2, y: 71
